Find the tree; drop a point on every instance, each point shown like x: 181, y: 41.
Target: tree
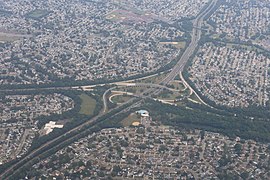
x: 124, y: 143
x: 202, y: 134
x: 244, y: 175
x: 140, y: 130
x: 142, y: 146
x: 162, y: 148
x: 238, y: 149
x: 115, y: 170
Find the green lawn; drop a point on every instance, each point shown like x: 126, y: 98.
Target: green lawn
x: 185, y: 92
x: 88, y: 105
x: 120, y: 99
x: 195, y: 98
x: 37, y: 14
x: 178, y: 85
x: 130, y: 119
x: 166, y: 95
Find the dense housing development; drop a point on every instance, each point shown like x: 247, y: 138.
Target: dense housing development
x: 134, y: 89
x: 243, y: 20
x: 157, y: 152
x: 82, y: 40
x: 232, y: 75
x: 18, y: 123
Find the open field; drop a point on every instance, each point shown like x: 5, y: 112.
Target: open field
x: 246, y: 47
x: 130, y: 119
x: 8, y: 37
x: 88, y: 105
x: 167, y: 95
x: 195, y: 98
x: 120, y: 98
x: 179, y: 45
x: 186, y: 92
x: 2, y: 134
x: 178, y: 85
x: 37, y: 14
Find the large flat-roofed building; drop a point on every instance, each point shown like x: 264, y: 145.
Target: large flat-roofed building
x: 143, y: 113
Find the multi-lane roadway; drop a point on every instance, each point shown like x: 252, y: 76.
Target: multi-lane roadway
x: 195, y: 38
x: 196, y: 35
